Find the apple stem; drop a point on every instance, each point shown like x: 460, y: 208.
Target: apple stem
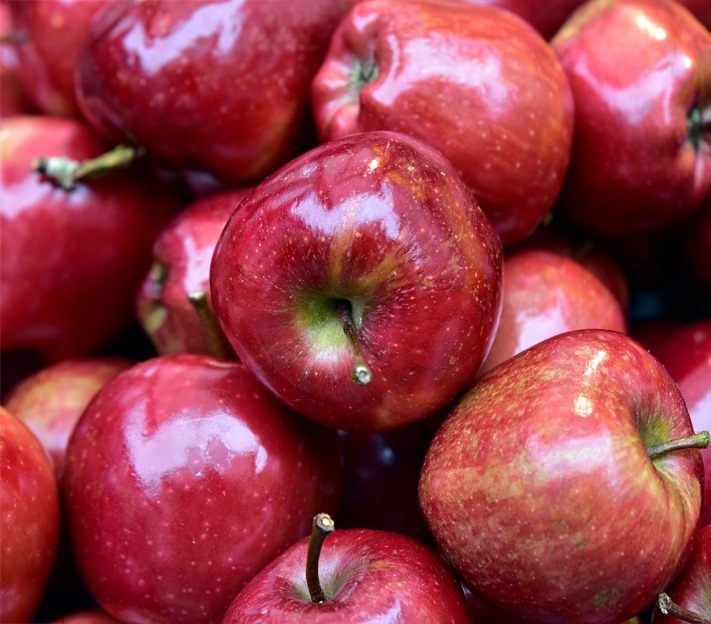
x: 216, y: 341
x: 360, y: 373
x: 67, y: 172
x: 14, y: 38
x: 668, y: 607
x: 321, y: 526
x: 699, y: 441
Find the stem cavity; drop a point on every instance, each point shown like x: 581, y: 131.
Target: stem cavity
x: 321, y: 526
x: 668, y: 607
x: 699, y: 441
x: 361, y: 374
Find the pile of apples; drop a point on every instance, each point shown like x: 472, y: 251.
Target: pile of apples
x: 391, y: 311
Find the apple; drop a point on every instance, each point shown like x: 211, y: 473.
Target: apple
x: 89, y: 616
x: 12, y: 98
x: 184, y: 478
x: 355, y: 576
x: 29, y: 524
x: 72, y: 259
x: 181, y: 270
x: 701, y: 9
x: 641, y: 154
x: 566, y: 484
x: 215, y: 86
x: 546, y: 294
x: 361, y: 282
x: 475, y: 82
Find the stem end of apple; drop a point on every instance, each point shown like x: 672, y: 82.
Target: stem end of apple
x: 361, y: 375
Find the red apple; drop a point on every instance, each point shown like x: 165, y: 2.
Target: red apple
x: 12, y: 97
x: 640, y: 72
x: 219, y: 86
x: 553, y: 487
x: 184, y: 478
x: 29, y: 523
x: 92, y: 616
x: 701, y: 9
x: 71, y: 259
x: 361, y: 282
x: 475, y: 82
x: 547, y: 294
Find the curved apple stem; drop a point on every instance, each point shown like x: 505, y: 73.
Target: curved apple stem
x: 67, y: 172
x: 360, y: 373
x: 668, y: 607
x: 699, y: 441
x: 321, y: 526
x: 216, y: 341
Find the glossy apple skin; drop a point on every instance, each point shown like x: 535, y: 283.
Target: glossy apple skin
x: 475, y: 82
x: 381, y: 221
x: 634, y: 165
x: 261, y: 58
x: 93, y: 616
x: 692, y: 588
x: 539, y: 489
x: 178, y: 493
x: 367, y: 576
x: 56, y: 30
x: 546, y: 294
x: 51, y: 401
x: 72, y: 260
x: 181, y: 265
x: 686, y: 354
x: 29, y: 524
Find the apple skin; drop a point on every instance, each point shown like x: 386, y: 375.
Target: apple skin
x: 51, y: 401
x: 12, y: 97
x: 72, y: 260
x: 701, y: 9
x: 692, y: 588
x: 539, y: 489
x: 137, y: 79
x: 367, y: 576
x: 634, y: 165
x: 475, y: 82
x: 92, y: 616
x: 181, y: 265
x: 382, y: 223
x: 546, y: 294
x: 29, y: 524
x: 178, y: 493
x: 686, y: 354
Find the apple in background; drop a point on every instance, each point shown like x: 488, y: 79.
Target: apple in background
x: 29, y: 524
x: 92, y: 616
x: 692, y: 588
x: 701, y: 9
x: 641, y: 154
x: 686, y: 354
x: 363, y: 575
x: 72, y: 260
x: 55, y: 31
x: 184, y: 478
x: 652, y: 333
x: 181, y: 267
x: 218, y: 86
x: 12, y: 97
x: 697, y: 243
x: 361, y: 282
x: 475, y: 82
x: 552, y: 487
x: 546, y: 294
x: 51, y: 401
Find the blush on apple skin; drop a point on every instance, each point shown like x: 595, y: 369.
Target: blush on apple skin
x: 182, y: 480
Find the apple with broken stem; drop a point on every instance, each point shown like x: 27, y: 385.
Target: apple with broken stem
x: 566, y: 484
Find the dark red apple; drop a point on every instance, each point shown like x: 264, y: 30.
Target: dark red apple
x: 184, y: 478
x: 476, y: 82
x: 29, y: 523
x: 361, y: 282
x: 641, y: 155
x: 701, y: 9
x: 566, y: 484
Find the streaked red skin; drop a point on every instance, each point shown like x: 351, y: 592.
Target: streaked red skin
x: 93, y: 616
x: 367, y: 576
x: 29, y: 524
x: 686, y: 354
x: 541, y: 493
x: 475, y: 82
x: 181, y: 265
x: 545, y: 294
x: 218, y: 86
x: 183, y: 479
x: 697, y: 239
x: 381, y: 220
x: 692, y: 588
x: 72, y: 260
x: 55, y: 30
x: 633, y: 166
x: 51, y: 401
